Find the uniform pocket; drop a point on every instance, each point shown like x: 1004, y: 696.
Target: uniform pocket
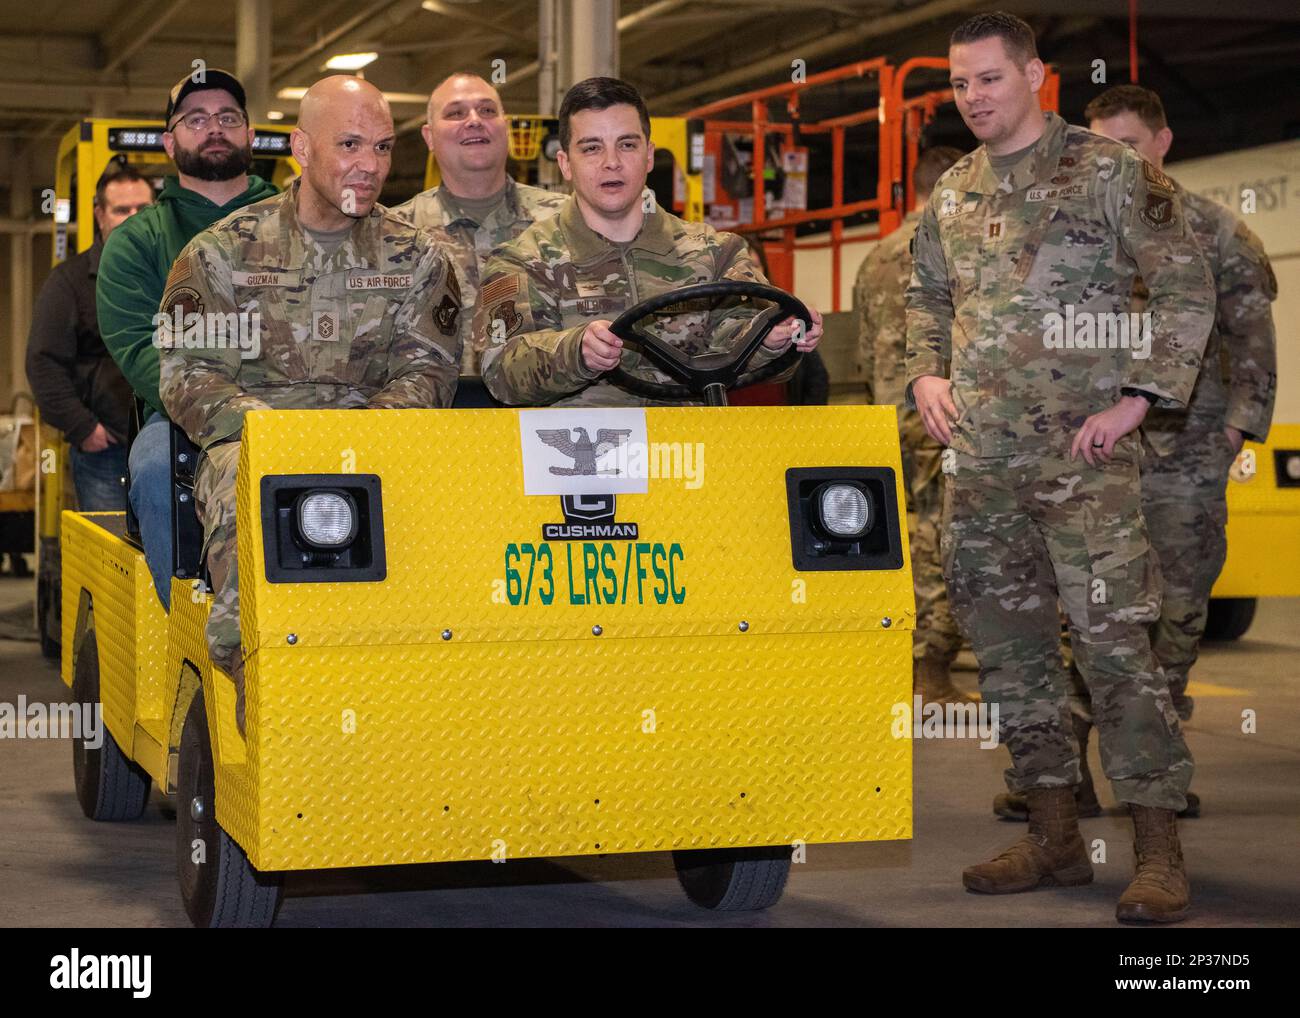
x: 1124, y: 586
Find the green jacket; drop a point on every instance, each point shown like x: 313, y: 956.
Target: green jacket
x: 133, y: 274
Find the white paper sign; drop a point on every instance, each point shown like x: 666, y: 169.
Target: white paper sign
x: 581, y: 451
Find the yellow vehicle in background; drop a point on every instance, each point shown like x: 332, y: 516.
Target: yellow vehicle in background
x: 507, y: 634
x: 84, y: 155
x: 677, y: 178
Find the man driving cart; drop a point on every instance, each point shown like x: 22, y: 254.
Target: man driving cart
x: 548, y: 297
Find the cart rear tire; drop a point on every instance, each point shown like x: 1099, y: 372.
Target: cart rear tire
x: 734, y: 879
x: 1229, y: 618
x: 219, y: 886
x: 109, y: 785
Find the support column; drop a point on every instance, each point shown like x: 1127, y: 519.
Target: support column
x: 253, y: 55
x: 20, y: 271
x: 588, y: 40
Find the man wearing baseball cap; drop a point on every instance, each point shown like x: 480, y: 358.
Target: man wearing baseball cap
x: 210, y: 140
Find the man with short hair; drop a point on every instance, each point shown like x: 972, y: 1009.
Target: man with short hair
x: 879, y: 298
x: 476, y: 203
x: 549, y: 297
x: 1187, y: 455
x: 210, y: 140
x: 346, y: 305
x: 1026, y: 247
x: 76, y: 384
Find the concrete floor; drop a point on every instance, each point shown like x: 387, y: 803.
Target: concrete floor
x: 58, y: 869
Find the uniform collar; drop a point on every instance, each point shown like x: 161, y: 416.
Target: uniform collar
x: 456, y: 213
x: 362, y: 248
x: 1038, y: 165
x: 586, y: 245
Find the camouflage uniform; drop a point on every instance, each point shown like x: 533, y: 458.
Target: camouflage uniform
x: 1064, y: 231
x: 542, y: 289
x: 372, y: 324
x: 878, y: 296
x: 1187, y: 455
x: 472, y: 242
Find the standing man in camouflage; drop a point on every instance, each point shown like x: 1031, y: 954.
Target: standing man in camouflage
x: 549, y: 297
x: 879, y: 297
x: 1023, y: 246
x: 476, y: 203
x: 1187, y: 456
x: 357, y: 309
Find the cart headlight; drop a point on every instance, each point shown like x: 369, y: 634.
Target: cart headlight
x: 323, y: 528
x: 844, y: 510
x: 844, y: 518
x: 327, y: 519
x: 1288, y: 468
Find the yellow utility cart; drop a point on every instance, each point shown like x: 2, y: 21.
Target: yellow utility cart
x: 478, y: 634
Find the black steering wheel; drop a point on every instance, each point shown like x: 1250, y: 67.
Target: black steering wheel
x: 706, y: 375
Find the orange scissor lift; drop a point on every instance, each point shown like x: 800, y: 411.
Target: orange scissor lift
x: 900, y: 120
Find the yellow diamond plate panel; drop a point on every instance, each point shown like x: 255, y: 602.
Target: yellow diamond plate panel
x: 130, y: 625
x: 453, y: 501
x: 381, y: 755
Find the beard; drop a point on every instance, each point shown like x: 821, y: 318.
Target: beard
x: 215, y: 164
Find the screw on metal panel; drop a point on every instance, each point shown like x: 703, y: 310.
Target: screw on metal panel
x: 886, y: 622
x: 196, y: 808
x: 292, y: 638
x: 446, y: 634
x: 744, y: 626
x: 596, y: 630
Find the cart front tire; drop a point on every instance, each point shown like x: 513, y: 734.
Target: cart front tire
x: 734, y: 879
x: 219, y: 886
x: 109, y: 785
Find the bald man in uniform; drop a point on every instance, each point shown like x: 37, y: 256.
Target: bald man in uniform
x: 355, y: 308
x: 478, y: 205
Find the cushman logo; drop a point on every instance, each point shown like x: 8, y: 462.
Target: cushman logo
x: 587, y: 518
x: 74, y: 971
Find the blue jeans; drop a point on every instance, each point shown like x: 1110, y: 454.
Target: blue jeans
x: 151, y: 499
x: 97, y: 476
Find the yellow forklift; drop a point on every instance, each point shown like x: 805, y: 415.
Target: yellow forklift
x: 84, y: 154
x: 677, y: 178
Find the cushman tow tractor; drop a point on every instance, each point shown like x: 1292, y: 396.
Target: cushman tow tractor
x: 478, y: 634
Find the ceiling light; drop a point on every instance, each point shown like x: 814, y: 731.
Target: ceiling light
x: 350, y: 61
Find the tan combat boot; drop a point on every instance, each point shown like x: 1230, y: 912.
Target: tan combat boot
x: 1159, y: 891
x: 931, y: 679
x: 1012, y: 805
x: 1052, y: 852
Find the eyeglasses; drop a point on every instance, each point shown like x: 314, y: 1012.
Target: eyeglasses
x: 198, y: 121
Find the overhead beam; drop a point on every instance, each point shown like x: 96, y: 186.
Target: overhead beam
x: 810, y: 50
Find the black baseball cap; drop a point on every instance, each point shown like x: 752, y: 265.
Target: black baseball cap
x: 213, y: 77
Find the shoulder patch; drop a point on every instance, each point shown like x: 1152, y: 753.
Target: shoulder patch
x: 446, y: 313
x: 1158, y: 212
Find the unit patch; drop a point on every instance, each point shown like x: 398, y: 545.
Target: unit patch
x: 445, y: 315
